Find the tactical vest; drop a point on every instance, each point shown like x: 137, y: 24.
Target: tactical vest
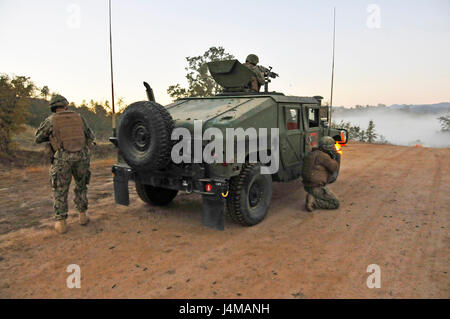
x: 68, y: 132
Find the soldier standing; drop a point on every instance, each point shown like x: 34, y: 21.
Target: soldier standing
x: 320, y: 168
x: 258, y: 79
x: 69, y: 137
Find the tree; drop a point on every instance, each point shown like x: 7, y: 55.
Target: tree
x: 354, y: 131
x: 38, y: 110
x: 445, y: 122
x: 362, y: 136
x: 120, y: 104
x: 53, y: 94
x: 14, y: 101
x: 176, y: 92
x: 382, y: 140
x: 370, y: 132
x: 199, y: 80
x: 45, y: 92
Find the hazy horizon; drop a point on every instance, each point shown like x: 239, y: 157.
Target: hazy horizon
x: 400, y: 127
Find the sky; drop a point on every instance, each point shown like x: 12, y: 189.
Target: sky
x: 390, y: 52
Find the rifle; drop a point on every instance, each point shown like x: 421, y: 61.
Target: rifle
x: 268, y: 72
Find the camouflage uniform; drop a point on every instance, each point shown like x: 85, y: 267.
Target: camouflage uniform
x: 65, y: 165
x: 258, y: 80
x: 320, y: 169
x: 323, y: 197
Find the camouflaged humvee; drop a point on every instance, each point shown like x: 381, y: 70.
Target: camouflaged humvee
x: 146, y: 150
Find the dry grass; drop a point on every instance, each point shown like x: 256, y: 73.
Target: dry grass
x: 35, y: 169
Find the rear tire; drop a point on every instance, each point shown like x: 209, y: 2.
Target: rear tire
x: 250, y: 196
x: 155, y: 195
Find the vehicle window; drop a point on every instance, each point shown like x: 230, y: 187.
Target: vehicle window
x: 292, y: 119
x: 313, y: 117
x: 324, y: 113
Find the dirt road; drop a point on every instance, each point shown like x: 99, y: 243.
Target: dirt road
x: 395, y: 212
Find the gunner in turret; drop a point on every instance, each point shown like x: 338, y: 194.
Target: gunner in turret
x: 258, y: 79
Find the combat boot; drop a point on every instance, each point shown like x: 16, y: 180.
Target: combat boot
x: 309, y: 203
x: 83, y: 218
x: 60, y: 226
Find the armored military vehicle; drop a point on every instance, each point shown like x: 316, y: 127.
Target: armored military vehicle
x: 146, y: 150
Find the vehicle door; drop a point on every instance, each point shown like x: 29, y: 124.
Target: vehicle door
x: 291, y: 146
x: 311, y: 122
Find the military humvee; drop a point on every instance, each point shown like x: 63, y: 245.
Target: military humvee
x: 145, y: 147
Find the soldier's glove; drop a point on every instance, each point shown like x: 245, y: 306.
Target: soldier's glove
x: 335, y: 155
x: 332, y: 154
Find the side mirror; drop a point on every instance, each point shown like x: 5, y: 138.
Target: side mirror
x: 343, y: 136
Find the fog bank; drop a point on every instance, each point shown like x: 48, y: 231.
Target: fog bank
x: 400, y: 127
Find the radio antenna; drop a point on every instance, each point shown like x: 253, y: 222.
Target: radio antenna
x: 112, y: 75
x: 332, y: 65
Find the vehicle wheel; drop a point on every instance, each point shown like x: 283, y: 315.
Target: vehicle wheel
x: 250, y: 195
x: 155, y: 195
x: 144, y: 135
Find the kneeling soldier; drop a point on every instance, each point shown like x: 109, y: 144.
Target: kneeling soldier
x: 320, y: 168
x: 69, y: 137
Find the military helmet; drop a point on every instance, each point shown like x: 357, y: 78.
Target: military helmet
x: 326, y: 143
x: 252, y: 58
x: 58, y: 101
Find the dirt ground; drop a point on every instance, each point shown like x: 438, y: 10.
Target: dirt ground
x: 395, y: 212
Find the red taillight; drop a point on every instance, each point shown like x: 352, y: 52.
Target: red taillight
x: 208, y: 187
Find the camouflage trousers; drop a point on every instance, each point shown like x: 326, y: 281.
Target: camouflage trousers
x: 323, y: 197
x: 66, y: 165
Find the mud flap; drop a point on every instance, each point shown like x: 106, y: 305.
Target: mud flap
x: 213, y: 214
x: 121, y: 194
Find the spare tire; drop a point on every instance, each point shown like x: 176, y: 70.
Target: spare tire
x: 144, y: 135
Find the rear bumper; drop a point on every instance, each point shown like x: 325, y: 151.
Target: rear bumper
x: 195, y: 182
